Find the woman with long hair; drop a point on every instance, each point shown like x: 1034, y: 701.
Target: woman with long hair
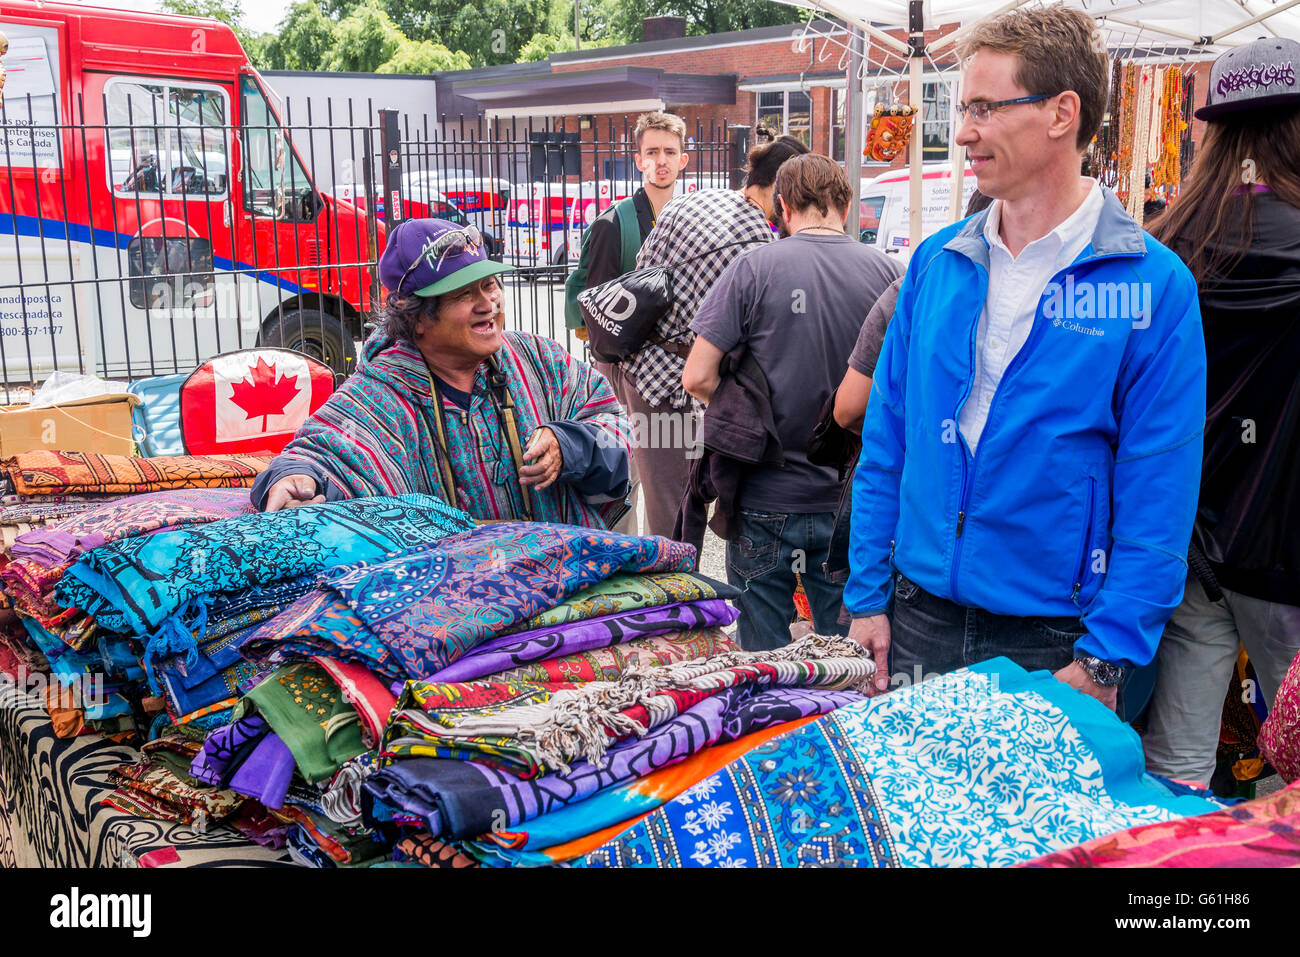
x: 1237, y: 227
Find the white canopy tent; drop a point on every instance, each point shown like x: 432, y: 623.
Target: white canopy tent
x: 1197, y: 29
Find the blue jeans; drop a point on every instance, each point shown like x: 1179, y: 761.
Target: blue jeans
x: 936, y: 636
x: 762, y: 560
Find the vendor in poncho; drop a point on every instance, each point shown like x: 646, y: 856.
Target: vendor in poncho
x: 505, y: 425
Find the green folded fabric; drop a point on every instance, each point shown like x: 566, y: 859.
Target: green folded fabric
x: 304, y: 706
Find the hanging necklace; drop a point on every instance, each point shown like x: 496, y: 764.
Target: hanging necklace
x: 838, y: 232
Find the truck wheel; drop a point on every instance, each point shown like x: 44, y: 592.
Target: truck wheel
x: 318, y: 334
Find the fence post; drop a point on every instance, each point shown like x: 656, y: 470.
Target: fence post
x: 739, y: 139
x: 372, y: 222
x: 390, y: 148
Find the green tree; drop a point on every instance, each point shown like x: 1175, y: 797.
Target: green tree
x: 542, y: 45
x: 424, y: 56
x: 303, y: 41
x: 364, y: 40
x: 490, y: 31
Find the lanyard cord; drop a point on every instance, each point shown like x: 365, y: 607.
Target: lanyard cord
x: 505, y: 406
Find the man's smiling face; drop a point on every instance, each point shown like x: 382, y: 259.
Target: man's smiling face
x: 1008, y: 149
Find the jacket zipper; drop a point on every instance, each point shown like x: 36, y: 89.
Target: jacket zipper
x: 1081, y: 566
x: 967, y: 471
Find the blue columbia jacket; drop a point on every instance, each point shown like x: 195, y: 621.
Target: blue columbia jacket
x: 1081, y: 498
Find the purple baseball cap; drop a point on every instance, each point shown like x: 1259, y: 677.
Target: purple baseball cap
x: 413, y: 266
x: 1260, y: 73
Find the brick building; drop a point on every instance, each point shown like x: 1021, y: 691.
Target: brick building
x: 788, y: 78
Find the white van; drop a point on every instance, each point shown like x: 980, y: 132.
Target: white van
x: 886, y: 208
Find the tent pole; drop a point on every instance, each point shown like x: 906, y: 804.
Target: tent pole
x: 915, y: 96
x: 852, y: 129
x: 958, y: 153
x: 1252, y: 21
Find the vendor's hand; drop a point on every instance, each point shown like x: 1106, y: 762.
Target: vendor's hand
x: 546, y: 461
x: 1074, y: 676
x: 873, y: 635
x: 292, y: 491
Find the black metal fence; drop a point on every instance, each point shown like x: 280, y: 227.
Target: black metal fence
x: 150, y: 231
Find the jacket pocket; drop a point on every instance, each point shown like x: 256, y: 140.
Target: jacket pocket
x: 1081, y: 562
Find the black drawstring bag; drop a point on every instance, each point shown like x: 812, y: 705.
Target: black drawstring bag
x: 621, y: 315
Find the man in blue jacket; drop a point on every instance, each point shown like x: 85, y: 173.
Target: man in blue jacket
x: 1032, y: 446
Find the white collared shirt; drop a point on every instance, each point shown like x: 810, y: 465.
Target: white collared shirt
x: 1016, y: 283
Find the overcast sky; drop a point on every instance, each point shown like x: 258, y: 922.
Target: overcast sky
x: 260, y: 16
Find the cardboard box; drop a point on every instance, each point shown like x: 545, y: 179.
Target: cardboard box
x: 98, y: 424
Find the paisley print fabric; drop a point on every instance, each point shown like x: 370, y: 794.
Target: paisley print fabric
x: 415, y: 614
x: 148, y: 580
x: 986, y: 766
x: 429, y: 608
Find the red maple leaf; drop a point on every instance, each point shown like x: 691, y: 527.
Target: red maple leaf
x: 263, y: 394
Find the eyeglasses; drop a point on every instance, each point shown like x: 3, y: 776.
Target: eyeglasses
x: 981, y: 110
x: 451, y: 243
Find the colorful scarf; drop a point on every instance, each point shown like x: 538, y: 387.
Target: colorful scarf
x: 56, y: 473
x: 303, y: 705
x: 376, y: 435
x: 135, y: 515
x: 466, y: 799
x: 148, y: 580
x: 628, y: 593
x: 1264, y: 832
x: 986, y: 766
x: 149, y: 790
x: 578, y: 829
x: 609, y: 664
x: 546, y: 726
x: 417, y: 613
x: 521, y: 649
x: 49, y: 509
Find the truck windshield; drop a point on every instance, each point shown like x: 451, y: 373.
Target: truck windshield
x: 275, y: 184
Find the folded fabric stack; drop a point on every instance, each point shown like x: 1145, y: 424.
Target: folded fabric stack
x: 60, y: 506
x: 379, y: 682
x: 512, y: 613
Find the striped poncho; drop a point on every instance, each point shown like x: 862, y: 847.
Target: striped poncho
x: 377, y: 434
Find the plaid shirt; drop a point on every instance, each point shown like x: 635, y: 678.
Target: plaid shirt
x: 688, y: 226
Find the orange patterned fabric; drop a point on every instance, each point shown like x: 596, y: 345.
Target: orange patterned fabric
x: 57, y: 473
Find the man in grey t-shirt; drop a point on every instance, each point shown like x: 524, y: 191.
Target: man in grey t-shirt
x: 797, y: 304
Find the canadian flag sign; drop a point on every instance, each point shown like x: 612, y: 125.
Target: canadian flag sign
x: 251, y: 401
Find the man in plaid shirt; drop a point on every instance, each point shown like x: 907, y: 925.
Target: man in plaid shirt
x: 697, y: 227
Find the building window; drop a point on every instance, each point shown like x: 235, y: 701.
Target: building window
x: 936, y: 120
x: 786, y: 111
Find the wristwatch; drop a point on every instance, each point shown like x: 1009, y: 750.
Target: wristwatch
x: 1102, y: 672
